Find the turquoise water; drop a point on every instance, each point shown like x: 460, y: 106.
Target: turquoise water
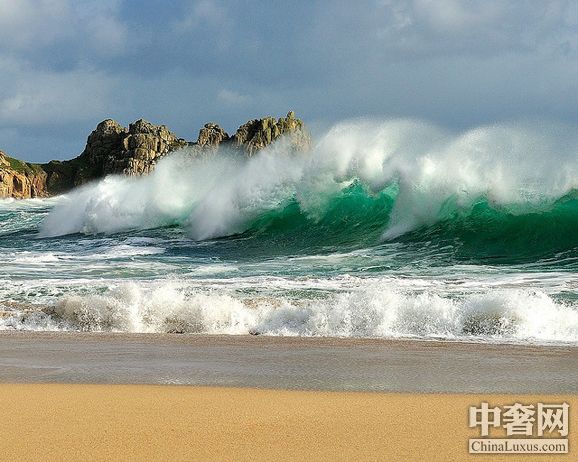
x: 407, y: 232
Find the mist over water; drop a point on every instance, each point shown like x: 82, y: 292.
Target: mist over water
x: 386, y: 228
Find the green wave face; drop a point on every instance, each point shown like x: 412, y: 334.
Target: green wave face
x: 480, y: 232
x: 505, y: 234
x: 352, y: 219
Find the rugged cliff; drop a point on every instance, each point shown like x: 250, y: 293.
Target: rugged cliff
x: 114, y: 149
x: 21, y: 180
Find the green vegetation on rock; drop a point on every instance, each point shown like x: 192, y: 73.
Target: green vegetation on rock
x: 23, y: 167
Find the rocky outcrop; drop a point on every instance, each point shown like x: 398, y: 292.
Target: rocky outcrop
x: 254, y: 135
x: 114, y: 149
x: 103, y: 146
x: 143, y: 146
x: 259, y: 133
x: 211, y: 136
x: 21, y: 180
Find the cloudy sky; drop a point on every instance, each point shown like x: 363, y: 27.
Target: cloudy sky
x: 67, y: 64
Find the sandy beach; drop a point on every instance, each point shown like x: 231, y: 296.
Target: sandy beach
x: 69, y: 396
x: 139, y: 422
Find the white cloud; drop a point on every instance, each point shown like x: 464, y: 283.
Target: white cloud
x: 212, y: 20
x: 203, y: 12
x: 474, y: 27
x: 28, y: 23
x: 107, y: 35
x: 232, y: 97
x: 47, y: 97
x: 457, y: 15
x: 32, y: 25
x: 31, y: 31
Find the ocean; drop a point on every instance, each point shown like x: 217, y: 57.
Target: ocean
x: 385, y: 229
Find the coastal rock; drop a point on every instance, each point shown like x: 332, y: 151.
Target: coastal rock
x: 21, y: 180
x: 259, y: 133
x: 252, y: 136
x: 103, y: 146
x: 112, y: 149
x: 212, y: 135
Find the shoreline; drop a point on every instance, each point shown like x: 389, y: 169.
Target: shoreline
x: 290, y: 363
x: 188, y: 338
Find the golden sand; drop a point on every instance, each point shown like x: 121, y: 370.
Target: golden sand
x: 145, y: 422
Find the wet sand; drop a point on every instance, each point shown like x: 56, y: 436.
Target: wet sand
x: 287, y: 363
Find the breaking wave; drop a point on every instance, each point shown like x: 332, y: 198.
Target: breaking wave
x: 495, y: 189
x: 372, y: 312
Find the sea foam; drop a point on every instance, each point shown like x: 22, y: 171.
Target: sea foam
x: 369, y: 311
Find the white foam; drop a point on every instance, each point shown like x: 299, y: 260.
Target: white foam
x: 33, y: 258
x: 370, y: 310
x: 8, y: 204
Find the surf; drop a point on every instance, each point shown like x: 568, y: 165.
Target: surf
x: 372, y: 309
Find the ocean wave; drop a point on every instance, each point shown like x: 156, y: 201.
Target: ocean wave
x: 362, y: 183
x: 371, y: 311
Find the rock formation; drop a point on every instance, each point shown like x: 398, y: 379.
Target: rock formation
x: 254, y: 135
x: 143, y: 146
x: 114, y: 149
x: 103, y: 146
x: 259, y: 133
x: 21, y: 180
x: 211, y: 135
